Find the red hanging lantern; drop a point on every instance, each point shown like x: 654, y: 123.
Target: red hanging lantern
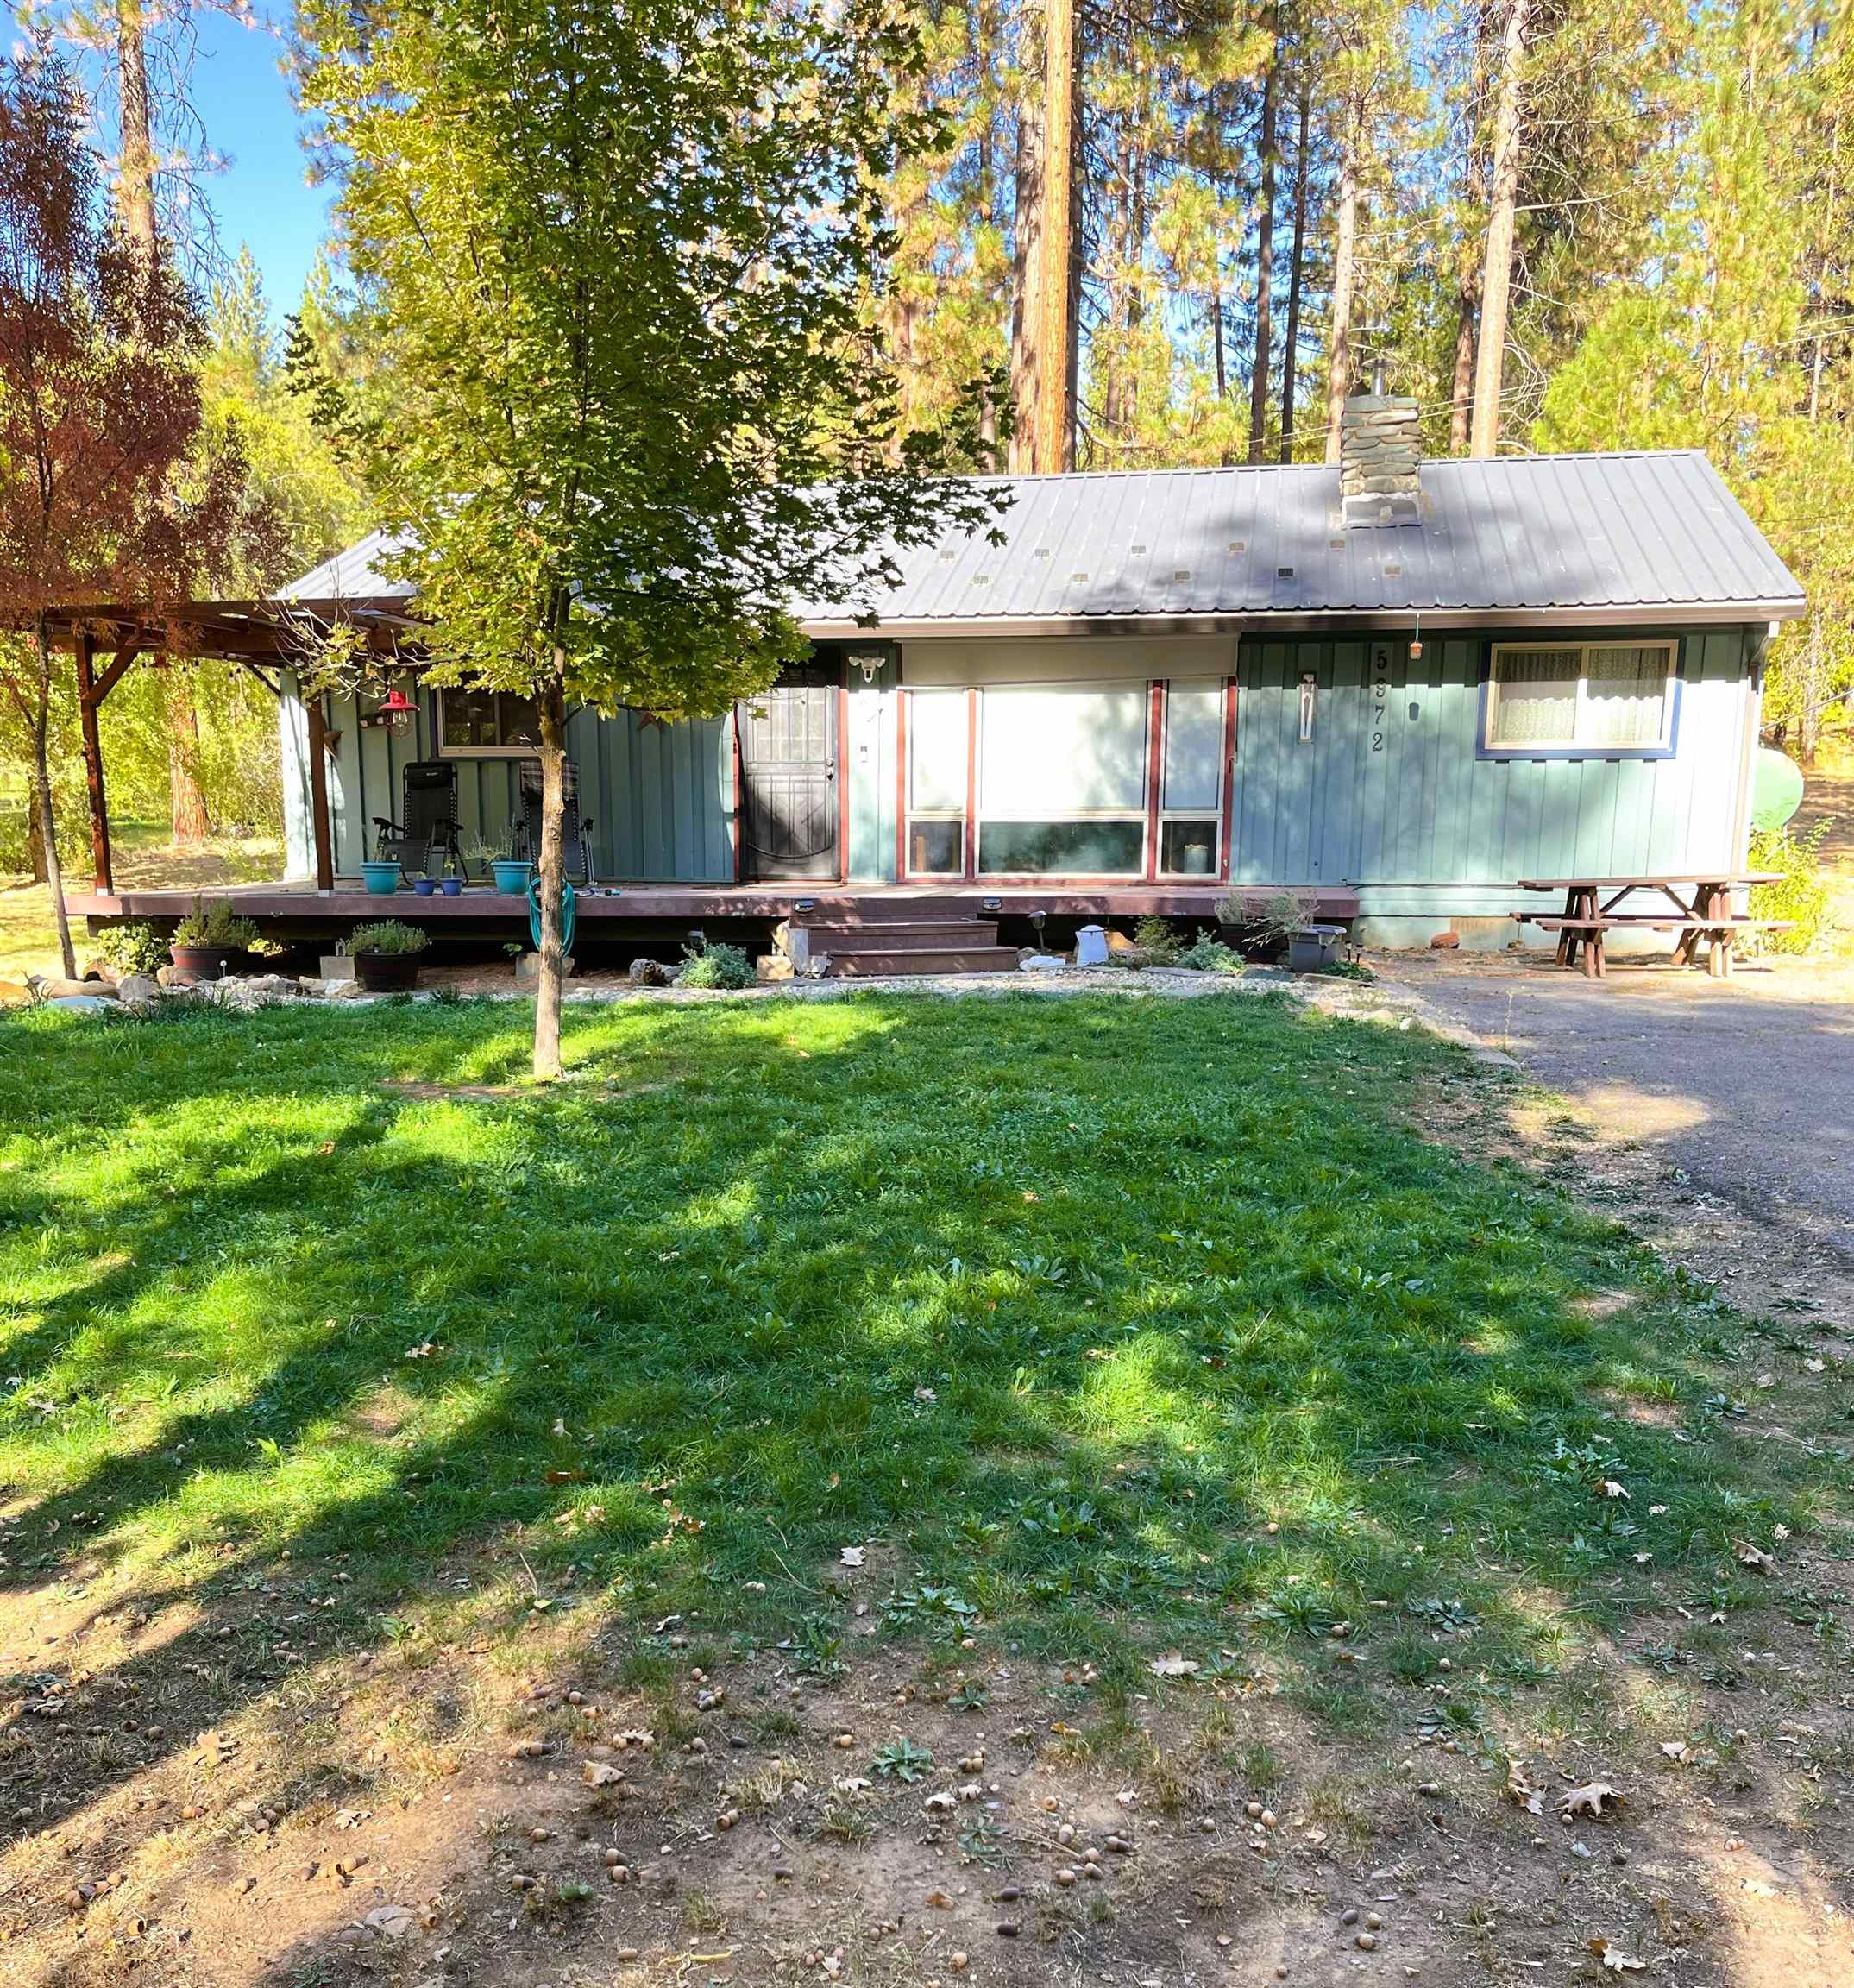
x: 397, y: 709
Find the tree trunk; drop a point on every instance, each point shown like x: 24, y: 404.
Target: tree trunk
x: 553, y: 714
x: 1264, y: 258
x: 1496, y: 278
x: 1814, y: 692
x: 135, y: 186
x: 1468, y: 278
x: 1296, y: 271
x: 1026, y: 275
x: 1345, y: 258
x: 190, y: 821
x: 1056, y: 332
x: 41, y: 791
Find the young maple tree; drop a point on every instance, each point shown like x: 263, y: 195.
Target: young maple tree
x: 622, y: 258
x: 99, y: 409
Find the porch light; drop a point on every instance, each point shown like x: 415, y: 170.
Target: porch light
x: 870, y: 662
x: 1309, y: 683
x: 1416, y: 642
x: 398, y: 709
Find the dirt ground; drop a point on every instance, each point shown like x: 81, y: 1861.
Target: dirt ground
x: 203, y: 1784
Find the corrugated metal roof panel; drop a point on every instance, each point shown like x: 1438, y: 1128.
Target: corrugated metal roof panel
x: 1559, y: 534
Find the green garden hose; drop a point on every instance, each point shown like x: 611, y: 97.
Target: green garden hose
x: 569, y: 916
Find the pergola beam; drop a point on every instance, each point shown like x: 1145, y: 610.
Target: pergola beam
x: 89, y: 697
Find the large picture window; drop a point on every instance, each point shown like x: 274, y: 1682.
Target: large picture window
x: 1606, y: 699
x: 1062, y: 781
x: 487, y: 724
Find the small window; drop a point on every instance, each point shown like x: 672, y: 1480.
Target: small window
x: 488, y: 723
x: 1602, y: 698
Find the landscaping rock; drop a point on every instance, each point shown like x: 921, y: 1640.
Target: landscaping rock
x: 139, y: 988
x: 335, y: 966
x: 1044, y: 963
x: 49, y: 989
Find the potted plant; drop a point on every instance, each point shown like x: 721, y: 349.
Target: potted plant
x: 381, y: 875
x: 386, y: 955
x: 207, y: 941
x: 479, y: 850
x: 513, y: 874
x: 423, y: 886
x: 1287, y: 919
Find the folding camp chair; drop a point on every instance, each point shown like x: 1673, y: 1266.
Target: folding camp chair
x: 427, y: 836
x: 575, y: 831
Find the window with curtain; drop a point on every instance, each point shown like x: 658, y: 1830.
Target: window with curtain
x: 1062, y: 780
x: 487, y: 724
x: 936, y: 782
x: 1191, y: 788
x: 1598, y: 697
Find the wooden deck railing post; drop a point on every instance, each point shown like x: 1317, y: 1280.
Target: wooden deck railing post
x: 88, y: 700
x: 318, y: 793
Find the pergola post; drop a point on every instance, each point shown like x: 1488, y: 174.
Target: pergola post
x: 99, y: 809
x: 318, y: 793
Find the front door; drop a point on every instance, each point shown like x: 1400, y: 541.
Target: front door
x: 789, y: 802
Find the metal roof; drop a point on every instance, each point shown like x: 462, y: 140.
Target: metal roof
x: 1622, y: 538
x: 352, y: 575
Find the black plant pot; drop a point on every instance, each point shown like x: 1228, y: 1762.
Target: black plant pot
x: 386, y: 972
x: 205, y: 962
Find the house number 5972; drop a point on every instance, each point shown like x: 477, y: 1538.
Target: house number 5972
x: 1380, y: 695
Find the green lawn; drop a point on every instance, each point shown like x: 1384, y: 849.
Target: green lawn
x: 1117, y: 1325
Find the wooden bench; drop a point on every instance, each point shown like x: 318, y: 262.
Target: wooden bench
x: 1585, y: 934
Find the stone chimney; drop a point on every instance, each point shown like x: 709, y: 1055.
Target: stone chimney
x: 1381, y: 456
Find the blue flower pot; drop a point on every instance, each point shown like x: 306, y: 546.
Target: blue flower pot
x: 512, y: 878
x: 424, y: 887
x: 381, y: 879
x: 451, y: 886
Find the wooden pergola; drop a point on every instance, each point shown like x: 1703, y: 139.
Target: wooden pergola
x: 264, y: 637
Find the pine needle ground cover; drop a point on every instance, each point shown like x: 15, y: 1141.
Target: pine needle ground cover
x: 1151, y: 1350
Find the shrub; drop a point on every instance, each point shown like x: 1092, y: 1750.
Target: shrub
x: 388, y: 936
x: 715, y: 966
x: 134, y: 948
x: 1158, y: 943
x: 1800, y: 893
x: 1207, y: 955
x: 216, y: 925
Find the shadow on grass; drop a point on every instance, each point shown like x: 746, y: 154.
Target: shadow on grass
x: 1127, y: 1322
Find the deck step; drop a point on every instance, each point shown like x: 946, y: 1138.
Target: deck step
x: 865, y: 961
x: 931, y: 935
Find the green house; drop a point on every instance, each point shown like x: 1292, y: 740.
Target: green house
x: 1400, y: 685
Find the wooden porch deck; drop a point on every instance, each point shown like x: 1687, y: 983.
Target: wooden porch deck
x: 298, y: 910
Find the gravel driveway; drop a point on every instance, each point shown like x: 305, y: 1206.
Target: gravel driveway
x: 1747, y: 1088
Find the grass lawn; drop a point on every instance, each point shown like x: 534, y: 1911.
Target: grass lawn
x: 1160, y: 1309
x: 1098, y: 1329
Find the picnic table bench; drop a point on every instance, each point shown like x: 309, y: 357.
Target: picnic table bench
x: 1704, y: 912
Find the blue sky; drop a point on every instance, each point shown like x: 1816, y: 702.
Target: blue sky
x: 262, y: 197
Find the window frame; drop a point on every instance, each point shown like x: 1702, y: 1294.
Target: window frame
x: 1663, y: 748
x: 1142, y: 814
x: 449, y: 752
x: 1213, y: 812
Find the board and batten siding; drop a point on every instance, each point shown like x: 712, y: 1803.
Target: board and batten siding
x: 1410, y: 812
x: 660, y: 795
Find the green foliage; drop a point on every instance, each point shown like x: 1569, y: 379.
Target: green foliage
x: 901, y: 1760
x: 216, y: 924
x: 135, y: 946
x: 718, y: 965
x: 1206, y: 955
x: 1802, y: 893
x: 388, y: 936
x: 1156, y: 941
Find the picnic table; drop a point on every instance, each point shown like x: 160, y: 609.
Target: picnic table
x: 1696, y: 906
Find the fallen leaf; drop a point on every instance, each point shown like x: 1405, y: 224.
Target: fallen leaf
x: 1610, y: 1488
x: 422, y: 1350
x: 851, y: 1555
x: 1676, y: 1749
x: 1814, y: 1366
x: 1589, y: 1799
x: 1614, y: 1958
x: 1748, y: 1555
x: 1173, y: 1665
x: 1519, y: 1787
x: 600, y: 1774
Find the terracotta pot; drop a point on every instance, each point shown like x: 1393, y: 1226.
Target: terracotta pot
x: 205, y: 962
